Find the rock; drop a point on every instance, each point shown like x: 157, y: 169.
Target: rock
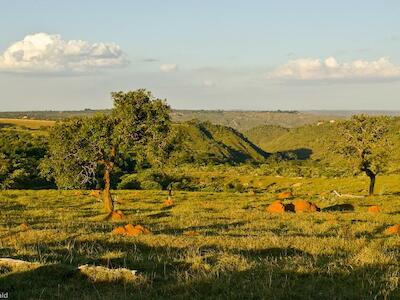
x: 304, y: 206
x: 298, y: 184
x: 285, y: 195
x: 395, y: 229
x: 374, y: 209
x: 276, y: 207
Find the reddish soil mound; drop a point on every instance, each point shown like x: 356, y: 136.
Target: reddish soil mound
x: 276, y: 207
x: 23, y: 226
x: 168, y: 202
x: 285, y: 195
x: 117, y: 215
x: 136, y: 230
x: 393, y: 229
x: 374, y: 209
x: 95, y: 193
x: 304, y: 206
x: 131, y: 230
x: 119, y: 230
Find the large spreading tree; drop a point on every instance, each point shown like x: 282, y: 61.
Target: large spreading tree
x: 364, y: 141
x: 83, y: 149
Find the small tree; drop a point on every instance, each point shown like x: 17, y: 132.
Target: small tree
x: 364, y: 142
x: 82, y: 148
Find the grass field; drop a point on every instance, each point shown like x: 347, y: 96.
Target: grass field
x: 30, y: 124
x: 207, y: 245
x: 35, y: 127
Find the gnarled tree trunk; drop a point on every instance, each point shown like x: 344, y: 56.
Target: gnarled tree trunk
x: 372, y: 177
x: 108, y: 166
x: 107, y: 200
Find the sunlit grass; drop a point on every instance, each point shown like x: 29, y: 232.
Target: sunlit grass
x: 239, y: 250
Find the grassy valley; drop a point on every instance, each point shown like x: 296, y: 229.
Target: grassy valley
x: 213, y: 238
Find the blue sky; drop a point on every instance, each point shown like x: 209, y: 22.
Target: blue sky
x: 201, y: 54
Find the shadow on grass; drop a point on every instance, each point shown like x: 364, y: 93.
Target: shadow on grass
x: 60, y: 281
x: 206, y: 228
x: 339, y: 207
x: 394, y: 213
x: 273, y: 276
x: 163, y: 214
x: 279, y: 283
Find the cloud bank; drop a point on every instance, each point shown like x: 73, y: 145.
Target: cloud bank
x: 330, y: 69
x: 49, y: 53
x: 168, y: 67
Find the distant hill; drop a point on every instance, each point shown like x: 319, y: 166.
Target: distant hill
x: 244, y: 120
x: 239, y: 120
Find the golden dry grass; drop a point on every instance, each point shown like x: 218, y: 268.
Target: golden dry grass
x: 30, y: 124
x: 207, y: 245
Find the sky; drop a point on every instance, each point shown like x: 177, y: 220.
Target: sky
x: 249, y: 55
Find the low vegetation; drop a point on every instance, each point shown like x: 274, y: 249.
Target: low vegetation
x: 198, y: 210
x: 207, y: 244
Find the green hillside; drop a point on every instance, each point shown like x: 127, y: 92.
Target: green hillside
x: 315, y: 142
x: 197, y: 141
x: 206, y: 142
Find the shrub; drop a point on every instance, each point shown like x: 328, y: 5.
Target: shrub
x: 129, y: 182
x: 150, y: 185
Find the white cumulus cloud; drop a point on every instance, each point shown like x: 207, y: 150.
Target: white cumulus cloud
x: 331, y: 69
x: 49, y: 53
x: 168, y: 67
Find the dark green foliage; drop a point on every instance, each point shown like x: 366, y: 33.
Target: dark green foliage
x: 150, y: 179
x: 20, y: 154
x: 80, y: 148
x: 364, y: 140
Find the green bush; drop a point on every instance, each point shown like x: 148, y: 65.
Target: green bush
x: 150, y: 185
x: 129, y: 182
x: 145, y: 180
